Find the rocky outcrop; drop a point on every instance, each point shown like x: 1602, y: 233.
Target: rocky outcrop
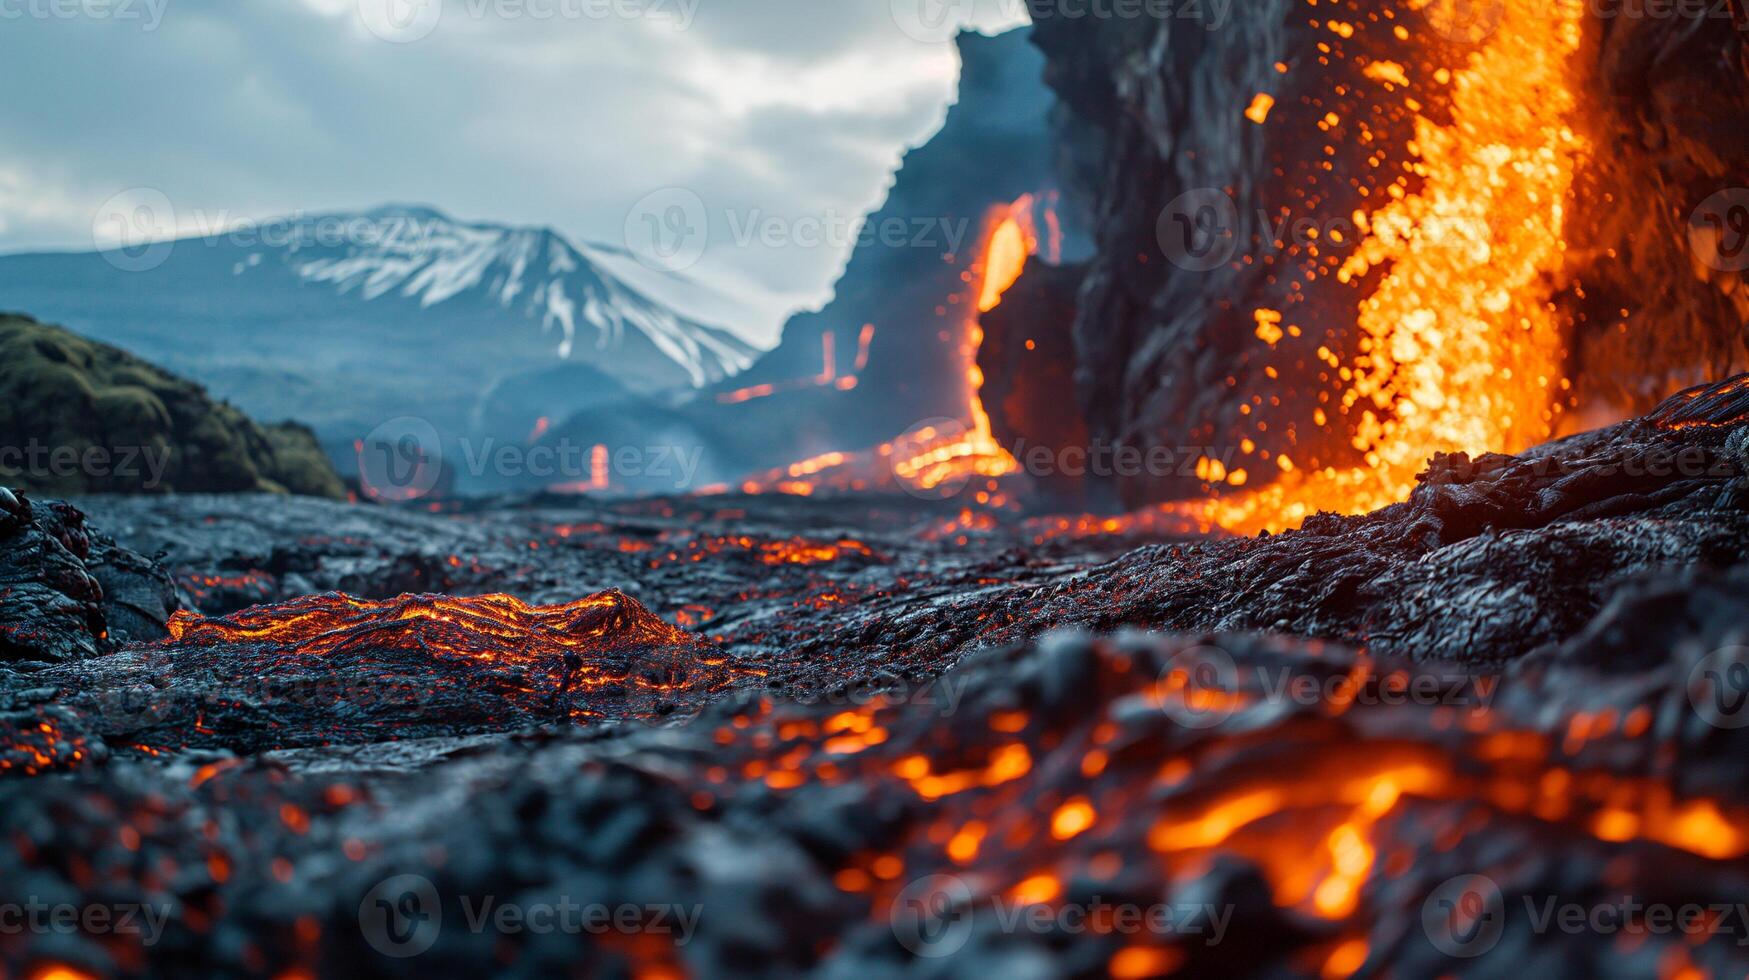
x: 68, y: 591
x: 77, y: 416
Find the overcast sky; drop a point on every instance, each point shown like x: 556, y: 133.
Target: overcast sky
x: 565, y: 113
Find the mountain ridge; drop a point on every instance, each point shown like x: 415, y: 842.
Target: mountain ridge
x: 348, y: 319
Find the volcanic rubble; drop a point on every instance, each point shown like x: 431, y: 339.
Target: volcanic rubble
x: 865, y: 737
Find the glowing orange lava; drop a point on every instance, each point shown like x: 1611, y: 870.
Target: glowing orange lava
x: 1459, y: 348
x: 947, y: 454
x: 495, y: 627
x: 1008, y: 243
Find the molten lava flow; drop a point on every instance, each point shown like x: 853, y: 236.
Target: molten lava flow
x: 600, y: 474
x: 780, y: 551
x: 937, y: 458
x: 1459, y: 349
x: 946, y: 454
x: 485, y: 658
x: 489, y: 626
x: 1005, y: 258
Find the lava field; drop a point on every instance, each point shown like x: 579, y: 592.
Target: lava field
x: 862, y: 738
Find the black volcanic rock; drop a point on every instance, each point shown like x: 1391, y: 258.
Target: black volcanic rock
x: 69, y: 592
x: 84, y: 417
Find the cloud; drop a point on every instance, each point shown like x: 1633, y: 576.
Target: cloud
x: 237, y: 110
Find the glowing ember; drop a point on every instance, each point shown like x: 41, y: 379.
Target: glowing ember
x: 1319, y: 808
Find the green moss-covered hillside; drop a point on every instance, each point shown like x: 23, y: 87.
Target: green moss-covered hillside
x: 77, y: 416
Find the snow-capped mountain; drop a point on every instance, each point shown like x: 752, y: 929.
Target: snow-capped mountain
x: 422, y: 255
x: 346, y: 320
